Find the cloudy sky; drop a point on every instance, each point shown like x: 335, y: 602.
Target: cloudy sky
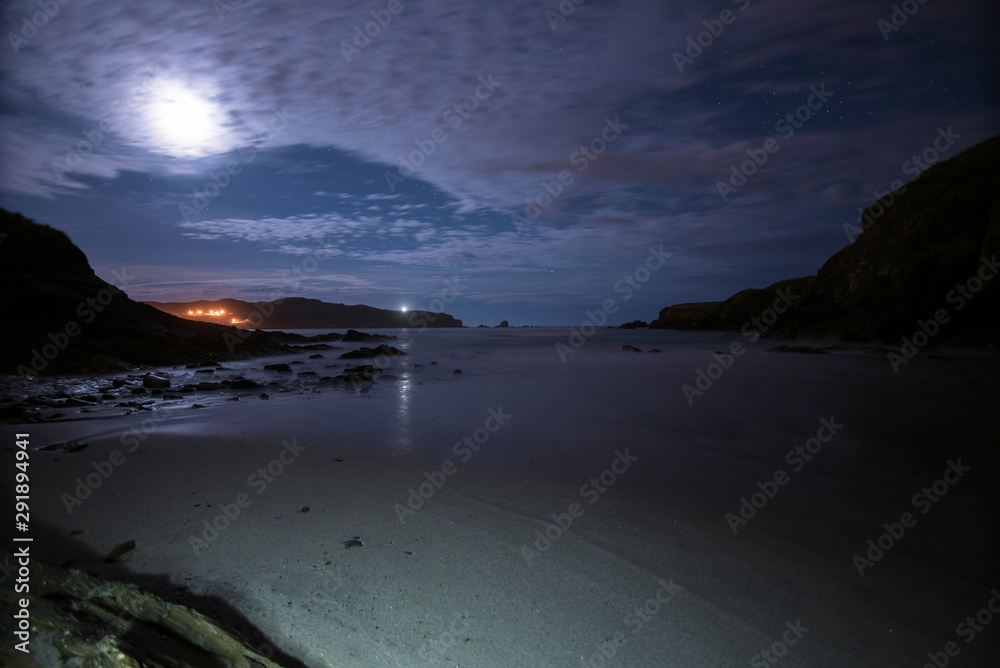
x: 369, y: 152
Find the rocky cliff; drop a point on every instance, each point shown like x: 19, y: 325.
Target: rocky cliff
x: 928, y: 252
x: 59, y: 317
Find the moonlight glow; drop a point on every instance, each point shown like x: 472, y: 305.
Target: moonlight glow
x: 183, y: 123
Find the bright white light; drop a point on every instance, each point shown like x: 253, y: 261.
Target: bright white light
x: 183, y: 123
x: 404, y: 309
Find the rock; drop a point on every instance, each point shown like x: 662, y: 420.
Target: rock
x: 120, y: 550
x: 317, y: 356
x: 136, y: 391
x: 504, y: 323
x: 304, y: 509
x: 241, y: 383
x: 306, y: 373
x: 264, y: 395
x: 73, y: 401
x: 635, y: 324
x: 366, y: 369
x: 82, y: 620
x: 457, y: 371
x: 354, y: 335
x: 208, y: 385
x: 633, y: 349
x: 198, y: 406
x: 363, y: 352
x: 655, y: 350
x: 205, y: 371
x: 277, y: 367
x: 68, y: 446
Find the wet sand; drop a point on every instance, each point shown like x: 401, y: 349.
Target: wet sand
x: 575, y: 514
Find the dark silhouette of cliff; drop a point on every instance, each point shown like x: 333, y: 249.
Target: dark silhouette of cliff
x: 61, y: 318
x: 929, y: 249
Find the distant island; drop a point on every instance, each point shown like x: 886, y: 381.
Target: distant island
x: 300, y: 313
x: 921, y: 265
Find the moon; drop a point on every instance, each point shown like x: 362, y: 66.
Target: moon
x: 184, y: 123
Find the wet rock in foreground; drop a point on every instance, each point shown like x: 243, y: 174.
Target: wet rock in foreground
x: 82, y: 620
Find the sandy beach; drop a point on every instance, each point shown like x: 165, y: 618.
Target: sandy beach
x: 531, y: 512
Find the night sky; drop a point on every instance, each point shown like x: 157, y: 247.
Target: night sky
x: 535, y: 149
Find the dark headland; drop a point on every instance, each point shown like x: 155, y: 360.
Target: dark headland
x: 64, y: 319
x: 927, y: 253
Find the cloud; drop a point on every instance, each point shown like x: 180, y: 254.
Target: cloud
x: 553, y: 88
x: 488, y: 104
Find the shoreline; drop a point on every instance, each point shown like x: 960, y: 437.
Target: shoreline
x: 394, y: 599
